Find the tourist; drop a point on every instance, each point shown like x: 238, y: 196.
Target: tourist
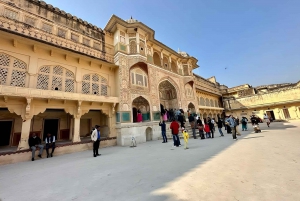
x: 211, y: 126
x: 267, y: 120
x: 193, y: 125
x: 186, y: 138
x: 35, y: 142
x: 253, y: 120
x: 175, y: 129
x: 96, y: 140
x: 220, y: 125
x: 165, y: 115
x: 237, y: 123
x: 139, y: 116
x: 181, y: 119
x: 163, y: 131
x: 206, y: 128
x: 228, y: 129
x: 201, y: 130
x: 230, y: 121
x: 244, y: 124
x: 50, y: 143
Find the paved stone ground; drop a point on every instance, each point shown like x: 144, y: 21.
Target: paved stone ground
x: 263, y: 166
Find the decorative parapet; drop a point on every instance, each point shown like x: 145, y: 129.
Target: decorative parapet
x: 49, y: 94
x: 40, y: 21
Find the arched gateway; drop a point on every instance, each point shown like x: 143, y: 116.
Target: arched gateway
x: 168, y: 95
x: 140, y: 109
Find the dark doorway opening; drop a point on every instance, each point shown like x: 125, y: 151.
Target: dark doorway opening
x: 134, y: 114
x: 50, y: 126
x: 271, y: 114
x: 5, y: 133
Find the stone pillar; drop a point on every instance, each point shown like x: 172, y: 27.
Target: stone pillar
x: 23, y: 143
x: 76, y: 130
x: 71, y: 128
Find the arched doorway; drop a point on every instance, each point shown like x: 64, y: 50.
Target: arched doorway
x: 191, y: 108
x: 140, y: 110
x: 168, y: 95
x: 149, y: 134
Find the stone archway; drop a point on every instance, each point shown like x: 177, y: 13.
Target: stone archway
x: 149, y: 134
x: 168, y: 95
x: 140, y: 108
x: 192, y: 108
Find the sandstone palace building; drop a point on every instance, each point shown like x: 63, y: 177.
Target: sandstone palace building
x: 63, y: 75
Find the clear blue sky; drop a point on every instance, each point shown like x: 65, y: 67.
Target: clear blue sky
x: 258, y: 41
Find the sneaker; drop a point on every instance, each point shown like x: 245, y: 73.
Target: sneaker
x: 40, y: 155
x: 180, y: 145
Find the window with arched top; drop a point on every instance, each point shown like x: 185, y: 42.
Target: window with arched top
x: 94, y: 84
x: 207, y: 102
x: 139, y: 77
x: 156, y: 59
x: 165, y: 62
x: 142, y: 48
x: 216, y: 103
x: 211, y: 103
x: 174, y: 67
x: 132, y: 47
x: 55, y: 78
x: 202, y: 101
x: 12, y: 71
x: 188, y: 91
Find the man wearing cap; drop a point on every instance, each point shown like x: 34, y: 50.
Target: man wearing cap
x: 96, y: 140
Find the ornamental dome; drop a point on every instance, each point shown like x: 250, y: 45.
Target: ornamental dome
x: 131, y: 20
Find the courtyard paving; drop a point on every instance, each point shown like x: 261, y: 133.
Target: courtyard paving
x: 259, y: 166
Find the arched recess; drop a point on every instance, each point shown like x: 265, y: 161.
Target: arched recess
x: 192, y: 108
x: 168, y: 95
x: 149, y: 134
x: 207, y: 102
x: 202, y: 101
x: 139, y: 75
x: 133, y: 47
x: 189, y: 90
x: 211, y: 103
x: 55, y: 78
x: 216, y: 103
x: 12, y: 71
x: 174, y: 67
x: 140, y: 109
x: 94, y: 84
x: 166, y: 63
x: 156, y: 59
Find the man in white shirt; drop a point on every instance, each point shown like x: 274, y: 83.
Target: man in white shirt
x: 267, y: 120
x: 96, y: 140
x: 50, y: 143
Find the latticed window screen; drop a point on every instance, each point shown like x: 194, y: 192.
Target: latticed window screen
x: 133, y: 47
x: 216, y: 103
x: 207, y: 102
x: 56, y: 78
x: 202, y: 101
x: 94, y: 84
x: 138, y: 77
x: 211, y: 103
x: 12, y: 71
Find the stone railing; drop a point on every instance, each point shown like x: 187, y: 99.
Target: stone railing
x: 49, y: 94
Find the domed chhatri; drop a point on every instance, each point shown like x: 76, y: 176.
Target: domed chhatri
x: 131, y: 20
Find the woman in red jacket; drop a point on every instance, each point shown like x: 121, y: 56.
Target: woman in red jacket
x: 206, y: 128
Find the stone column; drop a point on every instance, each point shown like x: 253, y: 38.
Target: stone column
x: 71, y: 128
x: 76, y: 136
x: 23, y: 143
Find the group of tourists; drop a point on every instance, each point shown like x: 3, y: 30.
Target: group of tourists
x: 206, y: 128
x: 35, y: 143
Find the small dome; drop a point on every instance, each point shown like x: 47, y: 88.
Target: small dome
x: 184, y: 54
x: 131, y: 20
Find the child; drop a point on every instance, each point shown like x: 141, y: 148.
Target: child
x: 186, y: 138
x: 201, y: 131
x: 206, y: 129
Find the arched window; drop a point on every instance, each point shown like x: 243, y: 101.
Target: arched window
x: 156, y: 59
x: 133, y: 47
x: 12, y: 71
x: 216, y: 103
x: 165, y: 63
x: 94, y: 84
x: 174, y: 67
x: 139, y: 77
x: 202, y: 101
x: 142, y: 47
x: 188, y: 90
x: 211, y: 103
x: 55, y: 78
x: 207, y: 102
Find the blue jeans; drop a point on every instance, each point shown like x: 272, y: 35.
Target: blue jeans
x: 244, y: 126
x: 176, y: 140
x: 207, y: 135
x: 220, y: 131
x: 163, y: 133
